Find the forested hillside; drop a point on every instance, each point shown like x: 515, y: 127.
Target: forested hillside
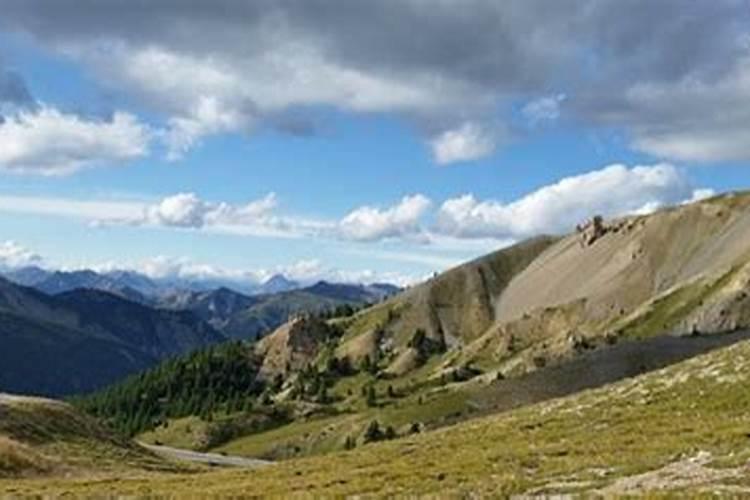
x: 222, y: 378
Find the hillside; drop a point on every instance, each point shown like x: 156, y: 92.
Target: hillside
x: 85, y: 339
x: 682, y: 428
x: 681, y: 270
x: 41, y: 437
x: 221, y: 378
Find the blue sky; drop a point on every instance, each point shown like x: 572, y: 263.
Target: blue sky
x: 336, y: 143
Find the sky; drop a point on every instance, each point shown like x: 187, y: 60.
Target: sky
x: 354, y: 140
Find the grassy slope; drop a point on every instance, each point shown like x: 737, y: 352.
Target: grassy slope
x: 42, y: 437
x: 688, y: 417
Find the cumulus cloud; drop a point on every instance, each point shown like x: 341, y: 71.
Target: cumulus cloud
x: 468, y: 142
x: 46, y: 141
x: 399, y: 221
x: 181, y: 210
x: 212, y: 94
x: 14, y: 255
x: 256, y: 60
x: 613, y: 190
x: 187, y: 210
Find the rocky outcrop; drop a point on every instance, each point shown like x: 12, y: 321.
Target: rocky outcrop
x: 591, y: 230
x: 292, y: 346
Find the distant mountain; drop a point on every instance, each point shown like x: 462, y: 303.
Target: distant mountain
x: 140, y: 288
x: 270, y: 311
x: 27, y: 276
x: 157, y: 332
x: 135, y: 281
x: 239, y: 315
x: 126, y: 285
x: 85, y: 339
x: 276, y: 284
x: 215, y: 306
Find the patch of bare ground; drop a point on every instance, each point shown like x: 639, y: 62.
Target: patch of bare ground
x: 693, y: 473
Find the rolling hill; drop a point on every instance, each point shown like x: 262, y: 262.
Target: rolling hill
x: 42, y: 437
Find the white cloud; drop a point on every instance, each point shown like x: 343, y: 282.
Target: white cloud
x: 303, y: 271
x: 613, y: 190
x: 46, y: 141
x: 180, y: 210
x: 164, y: 267
x: 544, y: 109
x: 187, y: 210
x: 399, y: 221
x: 701, y: 194
x: 255, y: 218
x: 468, y: 142
x: 210, y: 95
x: 13, y: 255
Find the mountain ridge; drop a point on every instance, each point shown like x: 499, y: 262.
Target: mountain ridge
x: 84, y: 339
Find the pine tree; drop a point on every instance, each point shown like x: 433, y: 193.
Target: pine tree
x: 372, y: 397
x: 350, y: 443
x: 373, y: 432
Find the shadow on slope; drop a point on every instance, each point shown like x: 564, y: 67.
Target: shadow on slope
x: 598, y: 368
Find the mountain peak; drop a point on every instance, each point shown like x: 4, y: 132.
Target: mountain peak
x: 278, y: 283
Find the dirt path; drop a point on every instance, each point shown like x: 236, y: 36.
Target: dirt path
x: 206, y: 458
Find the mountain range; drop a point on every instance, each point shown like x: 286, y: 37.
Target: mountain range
x: 137, y: 286
x: 73, y: 332
x: 85, y: 339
